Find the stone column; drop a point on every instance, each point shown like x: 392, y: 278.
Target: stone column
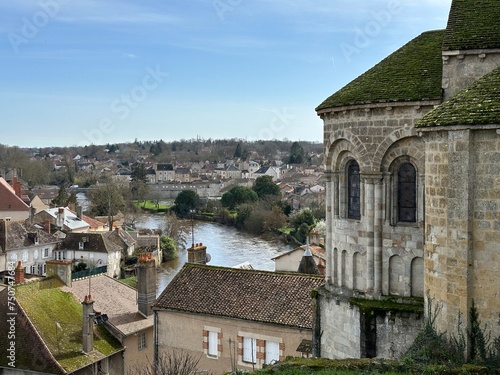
x: 329, y: 228
x: 369, y: 205
x: 377, y: 234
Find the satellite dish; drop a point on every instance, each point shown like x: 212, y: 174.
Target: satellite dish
x: 208, y: 258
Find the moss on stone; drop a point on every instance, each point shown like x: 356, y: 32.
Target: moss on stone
x: 412, y: 73
x: 394, y: 304
x: 477, y: 105
x: 473, y: 25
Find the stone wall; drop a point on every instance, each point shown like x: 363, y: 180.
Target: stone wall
x: 462, y: 224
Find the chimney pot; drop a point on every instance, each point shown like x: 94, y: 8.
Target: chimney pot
x: 19, y: 273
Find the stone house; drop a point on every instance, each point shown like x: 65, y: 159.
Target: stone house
x: 235, y: 318
x: 182, y: 174
x: 165, y: 172
x: 275, y: 172
x: 412, y: 189
x: 63, y: 218
x: 289, y: 261
x: 23, y: 241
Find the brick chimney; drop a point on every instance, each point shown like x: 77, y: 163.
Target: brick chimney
x: 88, y: 324
x: 60, y: 217
x: 79, y: 212
x: 19, y: 273
x: 146, y: 283
x: 17, y: 186
x: 46, y: 226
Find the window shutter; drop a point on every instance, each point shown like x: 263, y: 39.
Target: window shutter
x: 249, y: 350
x: 212, y: 344
x: 272, y: 352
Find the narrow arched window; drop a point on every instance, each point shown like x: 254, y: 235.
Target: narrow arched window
x: 353, y: 191
x: 407, y: 193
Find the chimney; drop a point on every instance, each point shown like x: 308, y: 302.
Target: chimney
x: 79, y: 212
x: 198, y: 254
x: 88, y: 324
x: 60, y: 269
x: 32, y: 214
x: 60, y: 217
x: 117, y: 230
x: 307, y: 263
x: 46, y: 226
x: 146, y: 283
x: 17, y: 186
x: 19, y: 273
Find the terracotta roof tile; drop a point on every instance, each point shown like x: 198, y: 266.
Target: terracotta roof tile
x: 9, y: 201
x: 261, y: 296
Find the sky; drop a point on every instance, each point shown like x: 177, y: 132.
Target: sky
x: 81, y: 72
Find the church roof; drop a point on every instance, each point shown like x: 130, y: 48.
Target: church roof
x: 478, y: 104
x: 472, y: 25
x: 413, y: 72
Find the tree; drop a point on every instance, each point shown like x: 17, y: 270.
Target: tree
x: 107, y: 200
x: 138, y: 183
x: 238, y: 195
x: 238, y: 152
x: 172, y: 362
x: 264, y: 185
x: 61, y: 200
x: 297, y: 154
x: 185, y: 202
x: 169, y: 248
x: 302, y: 221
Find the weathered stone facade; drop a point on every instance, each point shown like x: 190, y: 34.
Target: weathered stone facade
x: 413, y: 190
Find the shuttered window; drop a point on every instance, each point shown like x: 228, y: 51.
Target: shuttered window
x: 212, y: 344
x: 272, y: 352
x: 249, y: 350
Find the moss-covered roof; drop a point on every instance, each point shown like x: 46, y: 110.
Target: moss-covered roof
x: 57, y: 316
x: 477, y: 105
x: 413, y: 72
x: 473, y: 24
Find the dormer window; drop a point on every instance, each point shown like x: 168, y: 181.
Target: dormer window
x: 80, y: 245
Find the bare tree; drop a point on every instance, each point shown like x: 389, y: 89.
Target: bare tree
x: 172, y: 362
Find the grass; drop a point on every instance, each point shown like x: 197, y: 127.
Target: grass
x: 151, y: 206
x: 57, y: 316
x: 130, y: 281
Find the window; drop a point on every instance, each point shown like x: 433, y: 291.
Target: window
x: 213, y: 344
x: 141, y: 341
x: 46, y: 252
x: 58, y: 255
x: 272, y: 352
x: 80, y: 245
x: 353, y: 191
x: 249, y: 350
x: 25, y: 255
x: 407, y: 193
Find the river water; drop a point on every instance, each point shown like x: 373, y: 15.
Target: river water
x: 226, y: 245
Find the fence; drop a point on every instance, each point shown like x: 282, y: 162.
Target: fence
x: 89, y: 272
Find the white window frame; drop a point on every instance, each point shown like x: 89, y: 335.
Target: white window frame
x: 81, y: 245
x: 46, y: 252
x: 25, y: 255
x: 141, y: 341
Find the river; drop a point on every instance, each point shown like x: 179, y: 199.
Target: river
x: 226, y: 245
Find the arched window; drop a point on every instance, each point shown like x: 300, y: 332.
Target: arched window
x: 407, y: 193
x: 353, y: 191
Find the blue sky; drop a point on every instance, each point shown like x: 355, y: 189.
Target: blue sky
x: 78, y: 72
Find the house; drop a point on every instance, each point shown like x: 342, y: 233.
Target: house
x: 412, y: 165
x: 64, y: 219
x: 234, y: 318
x: 151, y: 175
x: 129, y: 318
x: 53, y: 333
x: 275, y: 172
x: 165, y: 172
x: 36, y: 202
x: 23, y: 241
x: 182, y: 174
x: 97, y: 249
x: 46, y: 194
x: 290, y: 260
x: 231, y: 172
x: 12, y: 207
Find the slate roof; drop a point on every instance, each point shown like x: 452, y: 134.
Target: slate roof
x: 18, y: 235
x: 477, y: 105
x: 115, y: 299
x: 9, y: 201
x: 71, y: 220
x: 165, y: 167
x: 95, y: 242
x: 412, y: 73
x: 472, y: 24
x: 259, y: 296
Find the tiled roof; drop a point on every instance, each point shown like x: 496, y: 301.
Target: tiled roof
x: 473, y: 25
x: 260, y: 296
x: 477, y: 105
x: 165, y: 167
x: 413, y: 72
x: 9, y: 201
x: 18, y: 235
x: 115, y: 299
